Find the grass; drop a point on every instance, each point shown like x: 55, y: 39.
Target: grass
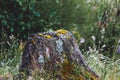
x: 107, y: 68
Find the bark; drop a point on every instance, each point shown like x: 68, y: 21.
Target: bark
x: 51, y: 52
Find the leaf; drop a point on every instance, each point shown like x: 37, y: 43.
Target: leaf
x: 11, y: 29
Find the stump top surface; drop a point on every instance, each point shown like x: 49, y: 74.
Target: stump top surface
x: 52, y: 34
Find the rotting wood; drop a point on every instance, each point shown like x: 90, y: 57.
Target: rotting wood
x: 52, y: 52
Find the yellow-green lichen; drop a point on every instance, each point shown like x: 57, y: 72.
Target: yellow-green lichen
x: 61, y: 31
x: 48, y: 36
x: 33, y: 41
x: 68, y: 37
x: 40, y: 34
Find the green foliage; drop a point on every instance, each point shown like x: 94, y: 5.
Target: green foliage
x: 9, y: 50
x: 103, y: 23
x: 18, y: 16
x: 22, y: 17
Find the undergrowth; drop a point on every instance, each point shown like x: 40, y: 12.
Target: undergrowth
x: 107, y: 68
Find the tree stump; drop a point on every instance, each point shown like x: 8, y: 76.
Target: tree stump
x: 53, y: 53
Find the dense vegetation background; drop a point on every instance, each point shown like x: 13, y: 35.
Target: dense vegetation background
x: 95, y: 24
